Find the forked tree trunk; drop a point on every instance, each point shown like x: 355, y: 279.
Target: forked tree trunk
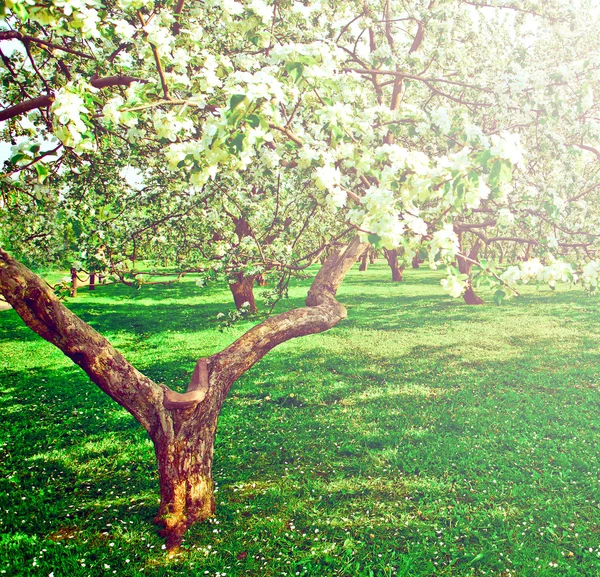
x: 392, y: 260
x: 182, y: 426
x: 465, y: 266
x: 243, y: 291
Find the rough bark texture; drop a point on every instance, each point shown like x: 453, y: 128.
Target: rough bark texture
x: 182, y: 426
x: 465, y: 266
x: 392, y: 260
x: 243, y: 292
x: 35, y: 302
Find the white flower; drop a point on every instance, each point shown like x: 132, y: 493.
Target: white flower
x: 508, y: 146
x: 505, y: 217
x: 124, y: 29
x: 262, y: 10
x: 111, y: 110
x: 231, y: 7
x: 511, y: 275
x: 336, y: 198
x: 327, y: 177
x: 416, y: 224
x: 445, y: 243
x: 453, y: 286
x: 440, y: 118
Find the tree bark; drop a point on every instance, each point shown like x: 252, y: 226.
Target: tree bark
x: 415, y: 261
x: 185, y: 459
x: 392, y: 260
x: 243, y: 291
x: 182, y: 426
x: 364, y: 262
x: 465, y: 266
x: 73, y: 281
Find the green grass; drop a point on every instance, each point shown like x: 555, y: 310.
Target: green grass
x: 420, y: 437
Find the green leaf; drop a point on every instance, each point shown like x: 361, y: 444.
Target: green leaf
x: 505, y: 172
x: 499, y: 296
x: 236, y: 100
x: 483, y: 263
x: 295, y: 70
x: 236, y: 145
x: 17, y: 158
x: 374, y: 239
x: 253, y: 120
x: 20, y: 11
x: 484, y: 157
x: 495, y: 173
x: 42, y: 172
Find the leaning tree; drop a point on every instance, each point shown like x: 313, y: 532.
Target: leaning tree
x: 374, y: 106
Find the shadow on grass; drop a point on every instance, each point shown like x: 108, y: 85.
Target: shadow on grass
x: 407, y: 419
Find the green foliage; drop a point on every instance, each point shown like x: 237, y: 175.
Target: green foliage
x: 420, y: 434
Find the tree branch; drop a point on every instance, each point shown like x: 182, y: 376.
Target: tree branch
x: 26, y: 106
x: 322, y: 312
x: 42, y: 311
x: 14, y: 35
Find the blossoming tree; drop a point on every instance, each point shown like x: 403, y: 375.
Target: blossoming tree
x: 374, y: 114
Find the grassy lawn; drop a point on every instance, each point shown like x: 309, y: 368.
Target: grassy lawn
x: 420, y: 437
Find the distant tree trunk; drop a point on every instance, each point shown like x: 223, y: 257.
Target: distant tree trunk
x: 243, y: 291
x: 392, y: 260
x: 92, y: 280
x: 182, y: 426
x: 415, y: 261
x: 73, y: 281
x: 261, y: 280
x: 364, y: 262
x: 465, y: 266
x: 372, y: 257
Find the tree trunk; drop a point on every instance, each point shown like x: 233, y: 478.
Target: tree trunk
x: 372, y: 257
x: 261, y: 280
x: 182, y: 426
x: 364, y: 262
x: 392, y: 260
x: 185, y: 476
x: 243, y: 291
x: 73, y: 281
x: 465, y: 266
x: 92, y: 280
x: 415, y: 261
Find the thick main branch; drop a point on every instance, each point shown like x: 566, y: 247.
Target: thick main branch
x: 40, y: 309
x: 321, y: 313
